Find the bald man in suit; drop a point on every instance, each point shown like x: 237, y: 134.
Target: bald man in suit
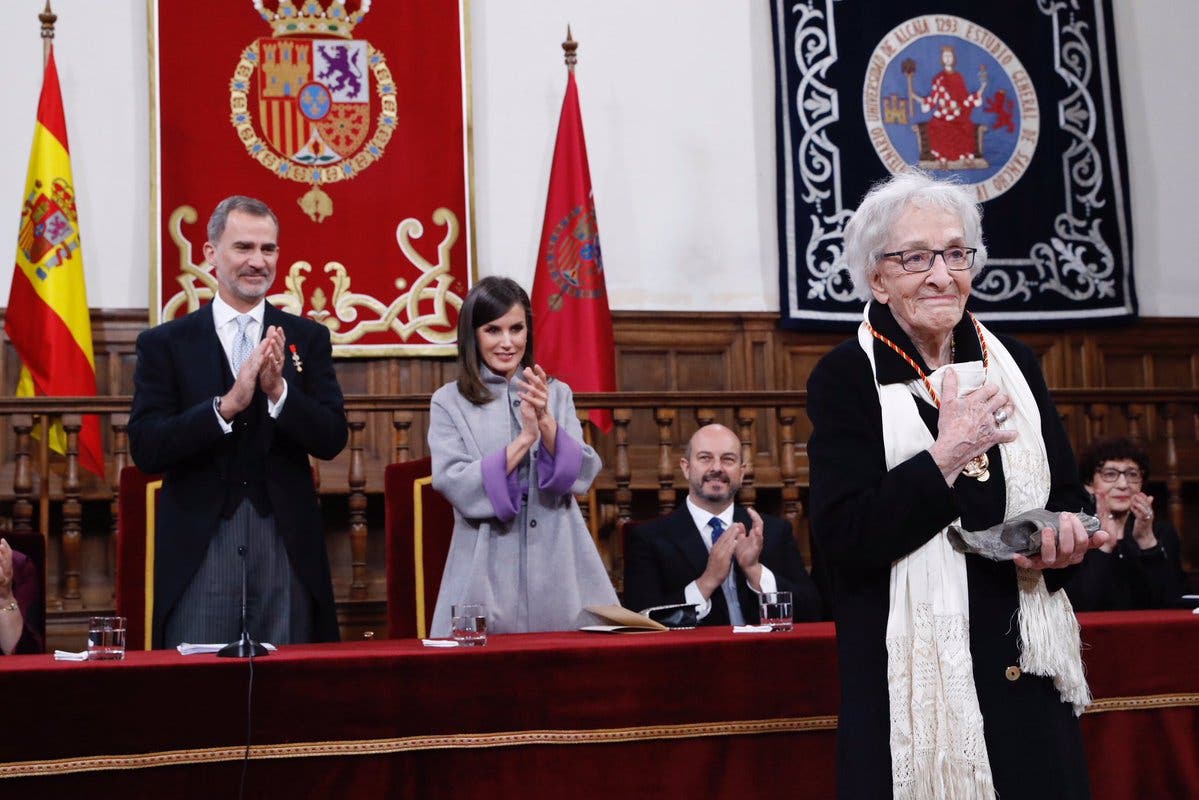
x: 713, y: 554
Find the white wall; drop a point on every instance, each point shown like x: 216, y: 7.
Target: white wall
x: 677, y: 99
x: 668, y: 108
x: 1160, y: 121
x: 101, y: 52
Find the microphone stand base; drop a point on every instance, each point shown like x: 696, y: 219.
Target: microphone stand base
x: 244, y: 648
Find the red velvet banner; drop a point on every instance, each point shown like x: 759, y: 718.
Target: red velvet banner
x: 350, y: 120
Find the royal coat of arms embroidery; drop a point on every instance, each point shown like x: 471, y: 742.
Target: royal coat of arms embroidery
x: 48, y: 225
x: 575, y: 264
x: 304, y: 100
x: 384, y: 262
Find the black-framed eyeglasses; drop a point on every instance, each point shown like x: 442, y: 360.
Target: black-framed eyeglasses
x: 955, y: 258
x: 1111, y: 475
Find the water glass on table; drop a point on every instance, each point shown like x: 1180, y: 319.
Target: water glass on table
x: 776, y: 610
x: 106, y: 639
x: 468, y: 623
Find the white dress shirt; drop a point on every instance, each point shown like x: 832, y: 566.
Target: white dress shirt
x: 224, y: 317
x: 692, y: 594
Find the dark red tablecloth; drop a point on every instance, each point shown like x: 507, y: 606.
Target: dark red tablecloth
x: 702, y: 713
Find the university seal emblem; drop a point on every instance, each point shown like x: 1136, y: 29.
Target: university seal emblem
x: 947, y: 95
x: 575, y: 264
x: 311, y: 103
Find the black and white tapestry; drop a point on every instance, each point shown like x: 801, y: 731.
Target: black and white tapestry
x: 1019, y: 100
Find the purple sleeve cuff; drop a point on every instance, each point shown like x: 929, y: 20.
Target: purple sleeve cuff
x: 557, y: 473
x: 502, y: 487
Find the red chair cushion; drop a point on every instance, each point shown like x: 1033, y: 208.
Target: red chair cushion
x: 416, y: 516
x: 134, y: 526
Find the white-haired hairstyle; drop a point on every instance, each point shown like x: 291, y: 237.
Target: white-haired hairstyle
x: 867, y: 231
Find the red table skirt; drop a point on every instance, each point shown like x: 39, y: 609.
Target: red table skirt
x: 702, y: 713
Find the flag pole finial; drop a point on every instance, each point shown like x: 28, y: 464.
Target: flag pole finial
x: 569, y: 47
x: 47, y: 18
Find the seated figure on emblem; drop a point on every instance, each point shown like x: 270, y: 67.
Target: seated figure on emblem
x: 950, y: 139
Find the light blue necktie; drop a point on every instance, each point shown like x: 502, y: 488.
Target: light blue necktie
x: 717, y: 528
x: 241, y: 342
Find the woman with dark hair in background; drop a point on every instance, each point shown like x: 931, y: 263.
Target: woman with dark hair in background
x: 1141, y: 564
x: 508, y: 453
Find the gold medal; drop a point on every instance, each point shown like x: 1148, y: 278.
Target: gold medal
x: 978, y: 467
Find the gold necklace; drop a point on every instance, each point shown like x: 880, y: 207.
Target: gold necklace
x: 979, y: 466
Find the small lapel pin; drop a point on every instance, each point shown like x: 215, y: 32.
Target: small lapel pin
x: 295, y: 359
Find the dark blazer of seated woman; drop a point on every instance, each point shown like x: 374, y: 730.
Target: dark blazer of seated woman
x: 1141, y: 564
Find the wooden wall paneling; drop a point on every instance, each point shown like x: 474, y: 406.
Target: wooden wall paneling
x: 759, y: 355
x: 1043, y: 348
x: 799, y: 361
x: 656, y: 351
x: 646, y: 369
x: 705, y: 369
x: 1173, y: 369
x: 762, y: 365
x: 1082, y: 360
x: 1125, y: 368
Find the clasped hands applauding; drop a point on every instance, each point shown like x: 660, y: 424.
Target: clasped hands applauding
x: 735, y: 543
x: 536, y: 420
x: 263, y: 369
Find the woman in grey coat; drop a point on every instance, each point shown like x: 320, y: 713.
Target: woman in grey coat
x: 508, y: 453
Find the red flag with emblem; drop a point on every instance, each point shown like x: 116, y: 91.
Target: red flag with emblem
x: 47, y: 318
x: 572, y: 322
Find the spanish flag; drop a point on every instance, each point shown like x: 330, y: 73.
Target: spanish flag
x: 47, y: 319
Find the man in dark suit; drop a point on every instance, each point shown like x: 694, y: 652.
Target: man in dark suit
x: 712, y: 554
x: 229, y: 402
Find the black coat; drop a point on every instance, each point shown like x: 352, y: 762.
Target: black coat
x: 173, y: 430
x: 864, y: 517
x: 665, y: 555
x: 1131, y: 578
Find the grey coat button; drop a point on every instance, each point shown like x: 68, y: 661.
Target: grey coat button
x: 532, y: 523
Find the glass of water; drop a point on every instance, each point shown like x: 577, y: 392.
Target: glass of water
x: 106, y: 638
x: 469, y: 624
x: 776, y: 610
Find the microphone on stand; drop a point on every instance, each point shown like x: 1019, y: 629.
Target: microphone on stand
x: 244, y: 647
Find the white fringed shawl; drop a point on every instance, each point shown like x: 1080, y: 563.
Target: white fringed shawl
x: 937, y: 745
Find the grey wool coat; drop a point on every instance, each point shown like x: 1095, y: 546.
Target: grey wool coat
x: 537, y: 571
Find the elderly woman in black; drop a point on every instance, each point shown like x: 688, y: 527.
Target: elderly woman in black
x: 1141, y: 564
x: 960, y: 677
